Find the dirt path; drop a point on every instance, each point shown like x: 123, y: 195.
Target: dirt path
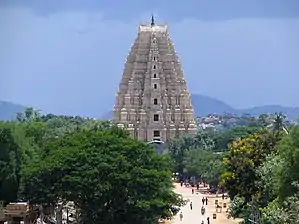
x: 194, y: 216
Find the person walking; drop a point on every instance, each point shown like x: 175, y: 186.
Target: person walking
x: 192, y: 191
x: 181, y: 216
x: 203, y: 210
x: 203, y: 201
x: 191, y: 206
x: 206, y: 200
x: 208, y: 220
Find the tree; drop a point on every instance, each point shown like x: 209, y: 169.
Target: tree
x: 278, y: 124
x: 204, y: 164
x: 203, y: 140
x: 178, y: 147
x: 268, y: 180
x: 10, y: 164
x: 110, y: 177
x: 196, y: 161
x: 288, y: 172
x: 285, y: 212
x: 245, y: 156
x: 283, y: 180
x: 212, y: 176
x: 30, y: 114
x: 264, y: 120
x: 225, y: 137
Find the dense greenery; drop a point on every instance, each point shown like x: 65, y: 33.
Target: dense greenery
x: 262, y: 170
x: 258, y: 166
x: 201, y: 156
x: 110, y: 177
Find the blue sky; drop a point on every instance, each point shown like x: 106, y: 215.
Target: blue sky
x: 67, y: 56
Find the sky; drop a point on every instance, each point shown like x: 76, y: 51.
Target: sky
x: 67, y: 56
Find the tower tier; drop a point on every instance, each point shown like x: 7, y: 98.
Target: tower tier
x: 153, y: 101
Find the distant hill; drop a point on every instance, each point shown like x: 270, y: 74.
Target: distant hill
x: 9, y: 110
x: 291, y: 112
x: 204, y: 105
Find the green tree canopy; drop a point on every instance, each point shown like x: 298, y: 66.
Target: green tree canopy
x: 288, y: 173
x: 110, y: 177
x: 205, y: 164
x: 279, y: 175
x: 178, y: 147
x: 10, y: 165
x: 245, y: 156
x: 225, y: 137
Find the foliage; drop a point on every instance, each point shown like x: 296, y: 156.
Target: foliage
x: 16, y: 151
x: 114, y: 179
x: 264, y: 168
x: 288, y: 172
x: 245, y: 156
x: 279, y: 124
x: 285, y: 212
x: 236, y: 207
x: 268, y: 179
x: 179, y: 147
x: 9, y: 165
x: 213, y: 174
x: 110, y: 177
x: 204, y: 164
x: 225, y: 137
x: 272, y: 213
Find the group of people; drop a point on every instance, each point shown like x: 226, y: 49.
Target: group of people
x: 203, y: 209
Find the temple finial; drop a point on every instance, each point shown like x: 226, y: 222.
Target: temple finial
x: 153, y: 20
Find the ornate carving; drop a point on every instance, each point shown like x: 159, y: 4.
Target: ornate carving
x: 152, y: 71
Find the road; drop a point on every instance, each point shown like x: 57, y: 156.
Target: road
x: 193, y: 216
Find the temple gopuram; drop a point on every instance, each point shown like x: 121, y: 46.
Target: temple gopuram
x: 153, y: 102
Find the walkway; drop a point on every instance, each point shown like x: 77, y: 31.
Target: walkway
x: 194, y: 216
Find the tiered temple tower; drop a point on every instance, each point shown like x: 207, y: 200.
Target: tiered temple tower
x: 153, y: 102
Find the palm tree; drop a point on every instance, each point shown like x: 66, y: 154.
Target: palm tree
x: 263, y: 120
x: 30, y: 114
x: 278, y: 123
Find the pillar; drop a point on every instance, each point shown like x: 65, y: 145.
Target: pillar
x: 59, y: 214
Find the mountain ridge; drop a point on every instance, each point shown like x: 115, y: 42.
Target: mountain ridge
x: 203, y: 105
x: 8, y: 110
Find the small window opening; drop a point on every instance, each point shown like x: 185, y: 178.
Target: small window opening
x: 156, y: 133
x: 154, y: 58
x: 155, y: 86
x: 155, y: 101
x: 155, y: 75
x: 156, y: 117
x: 154, y: 67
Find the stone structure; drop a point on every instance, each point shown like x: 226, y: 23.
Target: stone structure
x: 153, y: 102
x: 14, y: 213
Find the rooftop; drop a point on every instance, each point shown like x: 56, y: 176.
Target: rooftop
x: 152, y: 27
